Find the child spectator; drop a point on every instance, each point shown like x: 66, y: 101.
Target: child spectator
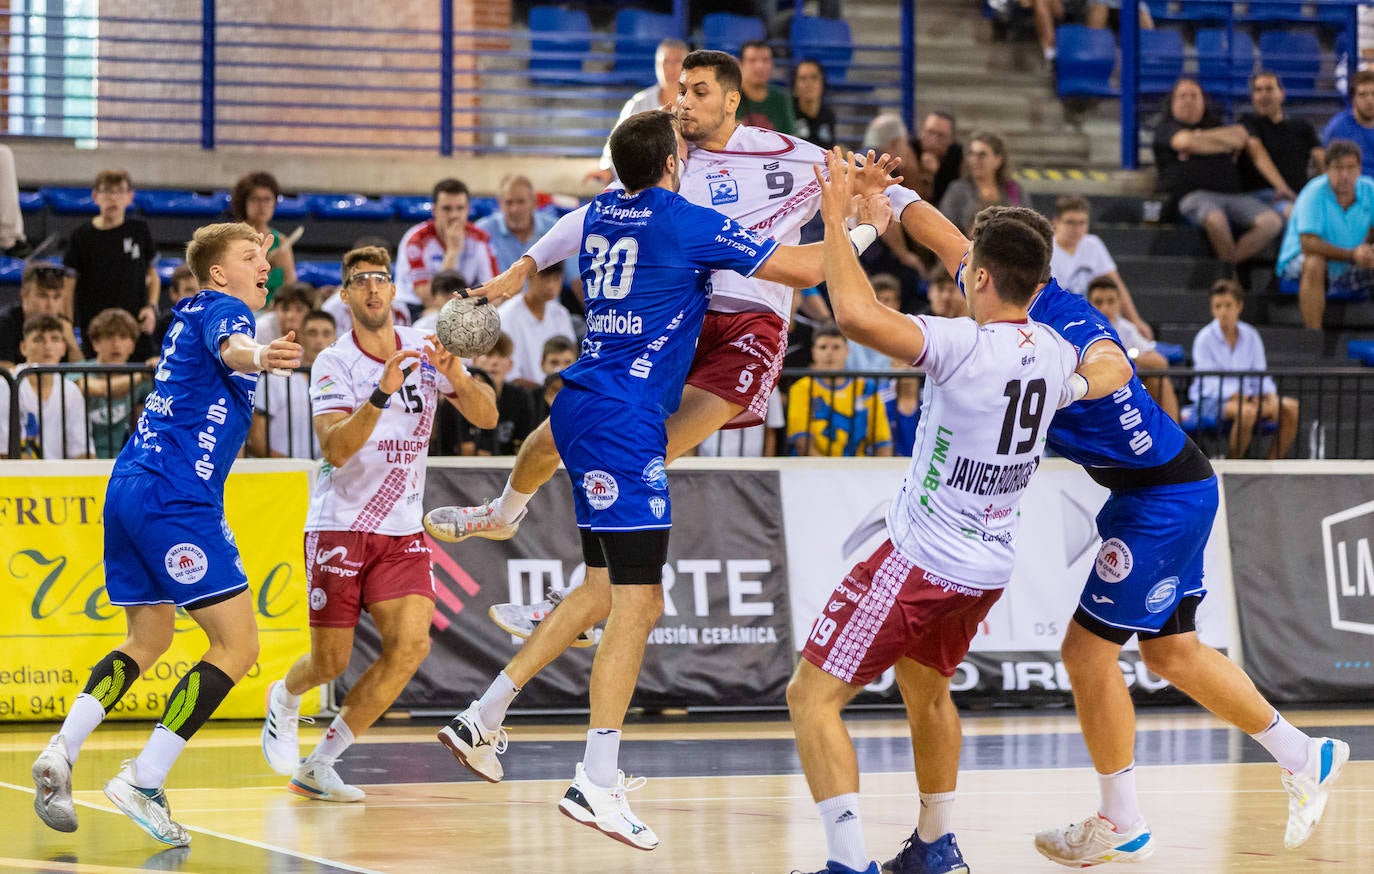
x: 42, y: 292
x: 902, y: 400
x: 183, y: 284
x: 289, y: 307
x: 514, y: 403
x: 835, y: 416
x: 282, y: 423
x: 1106, y: 296
x: 531, y: 320
x: 1080, y: 257
x: 113, y: 400
x: 944, y: 297
x: 1228, y: 344
x: 559, y: 352
x: 434, y: 294
x: 52, y: 410
x: 888, y: 288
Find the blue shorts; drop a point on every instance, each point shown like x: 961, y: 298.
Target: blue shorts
x: 614, y: 453
x: 1151, y: 554
x: 166, y: 549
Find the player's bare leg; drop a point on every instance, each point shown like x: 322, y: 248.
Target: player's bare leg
x: 1105, y: 712
x: 700, y: 415
x: 499, y: 518
x: 404, y: 625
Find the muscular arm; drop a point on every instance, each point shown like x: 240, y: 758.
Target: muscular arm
x: 928, y: 226
x: 1315, y: 245
x: 475, y: 400
x: 238, y: 352
x: 796, y: 266
x: 342, y: 434
x: 1105, y: 367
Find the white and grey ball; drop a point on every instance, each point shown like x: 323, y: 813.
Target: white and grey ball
x: 468, y: 326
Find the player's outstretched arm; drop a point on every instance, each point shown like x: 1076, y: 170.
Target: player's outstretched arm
x: 929, y: 227
x: 1105, y: 367
x: 475, y: 400
x: 857, y: 311
x: 342, y: 434
x: 804, y: 266
x: 240, y: 352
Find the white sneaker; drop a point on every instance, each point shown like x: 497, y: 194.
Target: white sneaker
x: 316, y: 779
x: 456, y: 524
x: 52, y: 786
x: 475, y: 746
x: 520, y: 620
x: 1309, y: 789
x: 146, y: 807
x: 1095, y: 841
x: 606, y: 810
x: 280, y: 743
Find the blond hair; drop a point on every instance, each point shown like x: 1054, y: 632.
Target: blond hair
x: 210, y: 243
x: 364, y: 255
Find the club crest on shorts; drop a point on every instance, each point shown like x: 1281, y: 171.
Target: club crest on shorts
x: 1162, y: 596
x: 655, y: 477
x: 318, y: 599
x: 1114, y: 561
x: 658, y: 506
x: 601, y: 489
x: 186, y: 563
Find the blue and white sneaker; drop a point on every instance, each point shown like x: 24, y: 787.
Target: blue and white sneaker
x: 833, y: 867
x: 148, y: 808
x: 1309, y: 788
x: 1095, y: 841
x: 940, y: 856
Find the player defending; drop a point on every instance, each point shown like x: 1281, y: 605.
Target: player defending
x: 994, y: 382
x: 374, y: 393
x: 167, y: 544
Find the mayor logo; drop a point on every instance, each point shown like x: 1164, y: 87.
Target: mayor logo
x: 1346, y: 538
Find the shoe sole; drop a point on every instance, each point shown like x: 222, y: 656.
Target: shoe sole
x: 582, y: 642
x: 274, y: 768
x: 438, y: 534
x: 571, y: 811
x: 316, y: 795
x: 138, y: 821
x: 451, y: 743
x: 41, y: 785
x: 1338, y: 763
x: 1140, y: 855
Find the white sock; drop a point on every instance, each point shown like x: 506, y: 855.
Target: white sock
x: 1119, y: 802
x: 601, y: 760
x: 282, y: 696
x: 936, y: 818
x: 492, y: 706
x: 338, y: 738
x: 159, y: 754
x: 1285, y: 742
x: 82, y: 719
x: 844, y: 833
x: 1051, y: 54
x: 511, y: 502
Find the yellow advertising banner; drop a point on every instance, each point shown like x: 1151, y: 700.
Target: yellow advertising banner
x: 56, y: 622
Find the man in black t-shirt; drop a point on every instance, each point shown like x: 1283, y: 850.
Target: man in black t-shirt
x: 41, y: 293
x: 1195, y: 156
x: 1281, y: 153
x: 113, y: 257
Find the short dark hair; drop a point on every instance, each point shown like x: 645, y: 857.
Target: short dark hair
x: 1337, y: 149
x: 113, y: 178
x: 946, y: 114
x: 1227, y: 286
x: 753, y: 44
x: 1105, y: 282
x: 294, y: 292
x: 238, y: 198
x: 829, y: 329
x: 1014, y: 254
x: 449, y: 186
x: 447, y: 282
x: 554, y: 345
x: 364, y: 255
x: 1363, y: 77
x: 1071, y: 203
x: 641, y: 146
x: 504, y: 346
x: 45, y: 274
x: 725, y: 67
x: 820, y: 68
x: 1026, y: 216
x: 44, y: 324
x: 320, y: 316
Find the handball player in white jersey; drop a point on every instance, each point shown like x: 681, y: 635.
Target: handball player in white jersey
x: 374, y: 393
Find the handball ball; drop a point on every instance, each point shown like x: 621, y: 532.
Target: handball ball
x: 468, y: 326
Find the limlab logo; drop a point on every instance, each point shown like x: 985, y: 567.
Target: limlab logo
x: 186, y: 563
x: 1346, y: 537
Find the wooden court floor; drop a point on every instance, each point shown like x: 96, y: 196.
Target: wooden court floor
x: 723, y: 797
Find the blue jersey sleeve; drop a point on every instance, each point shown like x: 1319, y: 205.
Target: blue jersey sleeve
x: 709, y: 240
x: 224, y: 317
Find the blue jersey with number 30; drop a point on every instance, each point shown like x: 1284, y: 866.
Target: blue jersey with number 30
x: 646, y: 264
x: 195, y: 421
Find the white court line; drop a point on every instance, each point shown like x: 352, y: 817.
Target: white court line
x: 318, y: 860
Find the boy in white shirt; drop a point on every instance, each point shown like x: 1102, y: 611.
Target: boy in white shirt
x: 1080, y: 257
x: 52, y: 410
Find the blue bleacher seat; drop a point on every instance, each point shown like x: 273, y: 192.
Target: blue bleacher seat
x: 11, y: 270
x: 1221, y: 73
x: 1172, y: 352
x: 1086, y: 59
x: 559, y: 39
x: 415, y: 208
x: 31, y: 201
x: 181, y: 203
x: 165, y: 266
x: 481, y: 207
x: 70, y: 201
x: 1336, y: 14
x: 296, y: 207
x: 1296, y: 56
x: 1161, y: 60
x: 725, y: 32
x: 827, y: 40
x: 1270, y: 10
x: 1361, y: 350
x: 1190, y: 10
x: 319, y: 273
x: 638, y: 34
x: 353, y: 206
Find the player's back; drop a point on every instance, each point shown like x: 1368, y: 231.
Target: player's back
x: 196, y: 418
x: 991, y: 392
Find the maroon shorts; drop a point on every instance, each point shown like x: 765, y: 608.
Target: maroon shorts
x: 738, y: 359
x: 887, y: 608
x: 348, y: 571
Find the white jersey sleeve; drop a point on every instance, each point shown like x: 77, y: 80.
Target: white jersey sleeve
x: 563, y: 241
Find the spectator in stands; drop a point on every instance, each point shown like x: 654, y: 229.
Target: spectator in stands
x: 986, y: 182
x: 889, y: 292
x: 887, y: 133
x: 944, y: 297
x: 13, y: 243
x: 289, y: 306
x: 1282, y: 153
x: 1196, y: 158
x: 113, y: 401
x: 1356, y: 123
x: 756, y: 441
x: 760, y: 104
x: 42, y: 292
x: 1326, y: 246
x: 901, y: 399
x: 448, y: 241
x: 1105, y: 294
x: 1080, y: 257
x: 113, y: 257
x: 517, y: 224
x: 439, y: 291
x: 667, y: 72
x: 815, y: 119
x: 1229, y: 345
x: 1049, y: 14
x: 52, y: 410
x: 939, y: 157
x: 282, y: 423
x: 559, y: 352
x: 254, y: 200
x: 835, y: 416
x: 515, y: 404
x: 181, y: 285
x: 532, y: 319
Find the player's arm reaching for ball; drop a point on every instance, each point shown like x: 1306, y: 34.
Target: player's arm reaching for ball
x: 342, y: 434
x: 240, y: 352
x: 475, y: 400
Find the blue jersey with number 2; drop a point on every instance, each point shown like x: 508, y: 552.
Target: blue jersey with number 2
x: 195, y: 421
x: 646, y: 264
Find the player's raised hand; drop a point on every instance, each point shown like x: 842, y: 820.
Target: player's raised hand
x: 876, y: 173
x: 444, y: 361
x: 396, y: 370
x: 836, y: 190
x: 506, y: 285
x: 875, y: 210
x: 283, y: 354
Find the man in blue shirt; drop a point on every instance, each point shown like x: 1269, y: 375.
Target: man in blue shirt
x: 1356, y: 123
x: 1326, y: 244
x: 517, y: 224
x: 167, y: 544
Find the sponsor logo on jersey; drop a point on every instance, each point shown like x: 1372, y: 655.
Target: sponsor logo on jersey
x: 158, y: 404
x: 1075, y: 324
x: 318, y: 598
x: 186, y: 563
x: 1162, y: 595
x: 613, y: 321
x: 655, y: 477
x: 1102, y: 599
x: 623, y: 213
x: 949, y: 586
x: 835, y: 607
x: 658, y: 506
x: 938, y: 456
x: 601, y: 489
x: 1114, y: 561
x: 324, y: 557
x: 723, y: 190
x: 1130, y: 419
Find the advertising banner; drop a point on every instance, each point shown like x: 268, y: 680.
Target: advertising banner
x: 1304, y: 570
x: 57, y: 622
x: 725, y: 635
x: 835, y: 519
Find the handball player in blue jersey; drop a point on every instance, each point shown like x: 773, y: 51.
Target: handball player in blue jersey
x: 646, y: 258
x: 167, y: 544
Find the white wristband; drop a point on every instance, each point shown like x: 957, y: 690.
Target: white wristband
x: 1078, y: 386
x: 863, y: 236
x: 258, y: 356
